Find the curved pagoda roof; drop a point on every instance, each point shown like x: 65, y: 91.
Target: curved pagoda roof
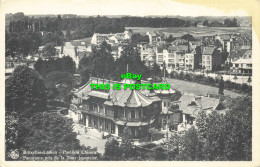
x: 121, y: 97
x: 164, y: 91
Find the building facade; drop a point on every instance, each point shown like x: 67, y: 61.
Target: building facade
x: 113, y: 110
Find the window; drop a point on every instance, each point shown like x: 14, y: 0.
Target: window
x: 106, y: 125
x: 132, y: 113
x: 101, y: 109
x: 144, y: 113
x: 164, y: 104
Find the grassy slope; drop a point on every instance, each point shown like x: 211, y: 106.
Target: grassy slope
x: 197, y: 89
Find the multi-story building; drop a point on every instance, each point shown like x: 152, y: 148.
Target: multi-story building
x: 226, y: 42
x: 171, y: 61
x: 242, y: 66
x: 189, y: 61
x: 159, y: 56
x: 148, y: 55
x: 152, y: 38
x: 113, y: 110
x: 98, y: 38
x: 180, y: 56
x: 211, y: 58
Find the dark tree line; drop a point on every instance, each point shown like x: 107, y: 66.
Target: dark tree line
x: 226, y: 23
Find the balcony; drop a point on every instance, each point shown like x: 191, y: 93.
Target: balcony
x: 85, y: 109
x: 132, y: 119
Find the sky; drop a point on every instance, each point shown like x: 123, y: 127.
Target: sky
x: 112, y: 7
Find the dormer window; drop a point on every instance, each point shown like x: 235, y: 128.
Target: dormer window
x: 193, y: 103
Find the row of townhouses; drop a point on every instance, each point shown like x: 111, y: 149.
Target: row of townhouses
x: 206, y: 53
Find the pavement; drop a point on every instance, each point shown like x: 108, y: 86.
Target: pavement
x: 92, y: 138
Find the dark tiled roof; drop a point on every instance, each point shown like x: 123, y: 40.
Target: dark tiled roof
x: 183, y: 48
x: 248, y: 52
x: 121, y: 97
x: 173, y: 48
x: 191, y: 104
x: 225, y: 37
x: 237, y: 54
x: 208, y: 50
x: 159, y: 49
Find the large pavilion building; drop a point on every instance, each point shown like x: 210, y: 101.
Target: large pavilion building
x: 113, y: 110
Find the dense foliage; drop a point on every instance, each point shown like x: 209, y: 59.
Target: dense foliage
x: 28, y: 125
x: 218, y: 137
x: 25, y: 91
x: 64, y: 64
x: 25, y: 34
x: 101, y: 64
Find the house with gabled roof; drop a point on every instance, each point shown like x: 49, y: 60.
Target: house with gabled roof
x: 211, y: 58
x: 191, y: 105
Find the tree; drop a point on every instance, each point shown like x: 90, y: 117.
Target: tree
x: 234, y: 23
x: 249, y: 80
x: 213, y: 140
x: 126, y: 145
x: 188, y: 37
x: 137, y: 38
x: 59, y: 85
x: 130, y: 56
x: 191, y: 146
x: 205, y: 23
x: 40, y: 66
x: 156, y: 71
x: 11, y: 131
x: 49, y: 132
x: 238, y: 130
x: 65, y: 64
x: 49, y: 50
x: 170, y: 39
x: 112, y: 150
x: 100, y: 62
x: 221, y: 86
x: 25, y: 92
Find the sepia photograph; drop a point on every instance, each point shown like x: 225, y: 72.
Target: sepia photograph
x: 129, y: 81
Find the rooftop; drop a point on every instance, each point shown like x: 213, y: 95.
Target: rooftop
x: 208, y: 50
x: 121, y: 97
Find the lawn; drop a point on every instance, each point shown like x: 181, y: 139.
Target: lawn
x: 196, y: 88
x: 195, y: 31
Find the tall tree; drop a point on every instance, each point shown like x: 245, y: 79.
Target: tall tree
x: 25, y: 92
x: 59, y: 85
x: 49, y: 50
x: 238, y: 130
x: 112, y: 150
